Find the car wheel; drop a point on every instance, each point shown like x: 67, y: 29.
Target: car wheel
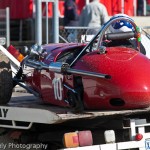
x: 75, y: 101
x: 6, y: 83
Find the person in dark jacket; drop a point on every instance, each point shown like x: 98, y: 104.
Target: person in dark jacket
x: 140, y: 7
x: 71, y: 18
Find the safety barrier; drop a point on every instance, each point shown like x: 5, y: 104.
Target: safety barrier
x: 74, y: 34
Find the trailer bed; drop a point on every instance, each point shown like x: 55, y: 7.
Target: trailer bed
x: 27, y: 109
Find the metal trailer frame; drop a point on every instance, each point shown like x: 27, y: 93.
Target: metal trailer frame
x: 27, y: 109
x: 136, y: 126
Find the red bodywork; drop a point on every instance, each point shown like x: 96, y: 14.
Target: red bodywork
x: 128, y: 88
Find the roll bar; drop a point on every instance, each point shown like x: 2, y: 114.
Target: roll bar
x: 101, y: 33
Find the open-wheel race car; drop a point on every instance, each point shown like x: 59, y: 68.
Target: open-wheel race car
x: 96, y: 75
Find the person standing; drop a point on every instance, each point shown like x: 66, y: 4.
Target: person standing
x: 71, y: 18
x: 93, y: 15
x: 140, y: 7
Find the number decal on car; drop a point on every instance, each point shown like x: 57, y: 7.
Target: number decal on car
x: 57, y: 84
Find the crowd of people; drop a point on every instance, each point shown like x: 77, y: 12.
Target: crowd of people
x: 95, y: 10
x: 93, y: 15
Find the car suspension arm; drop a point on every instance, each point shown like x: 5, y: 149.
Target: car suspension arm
x: 64, y: 68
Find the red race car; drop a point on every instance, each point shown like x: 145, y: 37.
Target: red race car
x: 97, y: 75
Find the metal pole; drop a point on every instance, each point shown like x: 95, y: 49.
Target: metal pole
x: 38, y: 24
x: 135, y: 7
x: 46, y: 22
x: 144, y: 5
x: 122, y: 6
x: 7, y: 27
x: 56, y: 22
x: 20, y: 29
x: 86, y: 2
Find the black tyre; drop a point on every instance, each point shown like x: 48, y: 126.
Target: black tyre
x: 75, y: 102
x: 6, y: 83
